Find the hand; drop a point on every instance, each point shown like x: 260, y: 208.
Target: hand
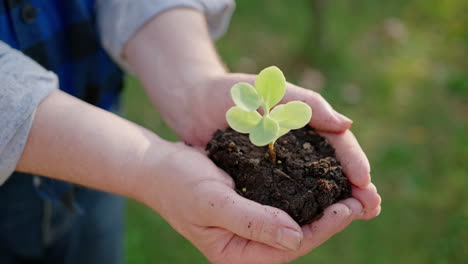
x: 198, y: 200
x: 185, y: 79
x: 207, y: 102
x: 223, y: 236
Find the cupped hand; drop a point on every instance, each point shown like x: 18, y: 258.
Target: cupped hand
x: 194, y: 195
x: 237, y: 230
x: 203, y: 112
x: 198, y: 200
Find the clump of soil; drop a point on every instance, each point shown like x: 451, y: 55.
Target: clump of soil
x: 305, y: 179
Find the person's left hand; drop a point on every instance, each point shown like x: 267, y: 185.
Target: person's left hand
x: 198, y: 200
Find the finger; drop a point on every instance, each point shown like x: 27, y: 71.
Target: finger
x: 241, y: 250
x: 324, y: 118
x: 368, y: 197
x: 355, y: 206
x: 355, y: 163
x: 335, y: 218
x: 252, y: 220
x: 373, y: 213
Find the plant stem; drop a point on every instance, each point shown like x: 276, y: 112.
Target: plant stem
x: 271, y: 148
x: 266, y: 110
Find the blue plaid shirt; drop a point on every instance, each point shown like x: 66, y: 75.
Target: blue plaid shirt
x: 62, y: 37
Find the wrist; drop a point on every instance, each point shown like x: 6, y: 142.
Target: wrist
x: 151, y: 174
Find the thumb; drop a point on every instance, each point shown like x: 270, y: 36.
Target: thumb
x: 256, y: 222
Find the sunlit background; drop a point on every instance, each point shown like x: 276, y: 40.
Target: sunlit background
x: 399, y: 69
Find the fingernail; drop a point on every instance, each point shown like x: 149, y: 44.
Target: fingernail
x: 342, y: 118
x: 289, y: 238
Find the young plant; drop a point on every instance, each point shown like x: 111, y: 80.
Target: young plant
x: 270, y: 87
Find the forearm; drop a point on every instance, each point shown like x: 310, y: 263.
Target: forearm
x: 170, y: 55
x: 173, y: 48
x: 76, y: 142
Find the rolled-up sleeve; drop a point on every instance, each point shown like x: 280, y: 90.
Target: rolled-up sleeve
x: 24, y: 84
x: 118, y: 20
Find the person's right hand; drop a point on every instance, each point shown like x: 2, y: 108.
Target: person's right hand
x: 198, y: 200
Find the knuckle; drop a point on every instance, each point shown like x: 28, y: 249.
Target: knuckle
x: 372, y: 203
x: 319, y: 99
x: 263, y: 227
x: 307, y: 91
x: 258, y: 229
x: 368, y: 199
x: 318, y: 96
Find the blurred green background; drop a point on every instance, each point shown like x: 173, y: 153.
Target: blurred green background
x: 399, y: 69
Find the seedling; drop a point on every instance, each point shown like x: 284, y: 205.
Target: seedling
x: 270, y: 87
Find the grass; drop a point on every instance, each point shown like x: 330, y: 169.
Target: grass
x: 398, y: 69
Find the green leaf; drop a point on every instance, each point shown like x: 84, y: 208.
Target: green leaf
x: 292, y: 115
x: 265, y: 132
x: 271, y: 86
x: 245, y: 96
x: 242, y: 121
x: 283, y: 131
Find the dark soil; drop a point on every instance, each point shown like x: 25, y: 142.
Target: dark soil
x: 305, y: 180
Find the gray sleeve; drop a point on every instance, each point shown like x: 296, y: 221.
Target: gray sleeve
x: 24, y: 84
x: 118, y: 20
